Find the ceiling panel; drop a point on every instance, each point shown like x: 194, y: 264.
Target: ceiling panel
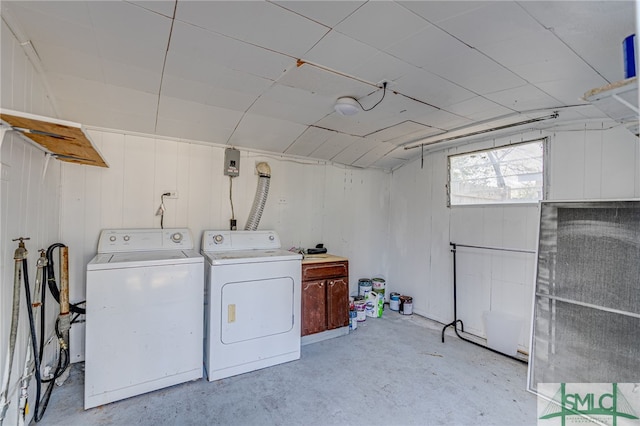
x: 523, y: 98
x: 486, y: 75
x: 492, y: 23
x: 238, y: 80
x: 309, y: 141
x: 193, y: 44
x: 427, y: 46
x: 340, y: 53
x: 593, y: 29
x: 164, y: 7
x: 375, y: 154
x: 261, y: 23
x: 318, y: 11
x: 264, y: 133
x: 334, y: 145
x: 366, y: 25
x: 297, y: 105
x: 437, y: 11
x: 355, y: 150
x: 401, y: 130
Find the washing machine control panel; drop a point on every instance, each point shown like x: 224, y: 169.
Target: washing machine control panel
x: 239, y: 240
x: 119, y: 240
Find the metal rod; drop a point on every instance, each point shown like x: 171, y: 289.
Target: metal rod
x: 494, y: 248
x: 455, y: 312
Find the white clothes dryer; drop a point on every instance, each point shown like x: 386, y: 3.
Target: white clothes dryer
x: 144, y: 320
x: 252, y: 302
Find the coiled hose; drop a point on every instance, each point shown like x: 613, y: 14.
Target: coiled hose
x: 262, y: 191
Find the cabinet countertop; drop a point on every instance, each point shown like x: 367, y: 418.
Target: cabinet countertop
x: 320, y: 258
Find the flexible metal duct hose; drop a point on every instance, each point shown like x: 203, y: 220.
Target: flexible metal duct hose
x: 264, y: 171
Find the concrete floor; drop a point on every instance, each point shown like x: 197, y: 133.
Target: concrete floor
x: 390, y: 371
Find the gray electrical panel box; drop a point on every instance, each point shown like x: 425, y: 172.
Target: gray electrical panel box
x: 231, y: 162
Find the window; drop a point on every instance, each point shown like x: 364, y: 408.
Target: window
x: 510, y: 174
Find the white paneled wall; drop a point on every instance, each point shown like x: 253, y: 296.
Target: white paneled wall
x: 308, y: 202
x: 29, y: 206
x: 582, y: 165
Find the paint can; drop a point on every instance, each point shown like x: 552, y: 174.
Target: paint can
x: 378, y: 285
x: 406, y: 305
x: 364, y: 286
x: 360, y: 310
x: 394, y: 301
x: 353, y: 320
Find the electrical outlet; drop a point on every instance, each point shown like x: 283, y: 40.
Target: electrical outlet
x: 172, y: 194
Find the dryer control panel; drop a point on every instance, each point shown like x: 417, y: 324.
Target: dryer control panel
x: 240, y: 240
x: 119, y: 240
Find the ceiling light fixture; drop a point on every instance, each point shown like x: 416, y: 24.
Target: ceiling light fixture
x: 346, y: 106
x: 500, y: 123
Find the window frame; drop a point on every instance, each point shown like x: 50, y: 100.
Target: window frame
x: 545, y: 168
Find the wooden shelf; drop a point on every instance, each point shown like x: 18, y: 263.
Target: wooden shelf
x: 64, y: 140
x: 619, y: 101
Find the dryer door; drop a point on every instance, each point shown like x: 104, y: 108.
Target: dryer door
x: 256, y: 309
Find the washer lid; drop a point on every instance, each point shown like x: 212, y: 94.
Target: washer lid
x: 250, y: 256
x: 143, y: 259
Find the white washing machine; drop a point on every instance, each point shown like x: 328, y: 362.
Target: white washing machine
x: 144, y: 321
x: 252, y: 302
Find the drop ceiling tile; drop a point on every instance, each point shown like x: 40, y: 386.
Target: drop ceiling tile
x: 289, y: 103
x: 309, y: 141
x: 475, y: 72
x: 264, y: 133
x: 340, y: 53
x: 319, y: 12
x: 388, y: 163
x: 76, y: 89
x: 261, y: 23
x: 127, y: 100
x: 437, y: 11
x: 429, y: 45
x: 566, y: 68
x: 375, y: 154
x: 334, y: 145
x: 163, y: 7
x: 70, y: 12
x: 195, y: 45
x: 355, y: 150
x: 381, y: 24
x: 181, y: 110
x: 571, y: 90
x: 496, y: 21
x: 523, y: 98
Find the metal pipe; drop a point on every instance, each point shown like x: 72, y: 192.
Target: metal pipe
x: 260, y: 199
x: 20, y: 254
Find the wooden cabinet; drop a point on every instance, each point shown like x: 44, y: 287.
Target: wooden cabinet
x: 325, y: 294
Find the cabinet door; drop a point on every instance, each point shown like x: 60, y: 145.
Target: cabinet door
x: 313, y: 307
x: 337, y: 303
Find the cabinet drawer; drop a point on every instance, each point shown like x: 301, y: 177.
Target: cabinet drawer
x: 325, y: 270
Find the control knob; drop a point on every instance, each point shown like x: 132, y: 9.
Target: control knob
x: 218, y: 239
x: 176, y: 237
